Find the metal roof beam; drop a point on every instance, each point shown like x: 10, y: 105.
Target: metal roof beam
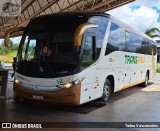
x: 97, y: 4
x: 44, y: 8
x: 107, y: 7
x: 71, y: 5
x: 34, y: 8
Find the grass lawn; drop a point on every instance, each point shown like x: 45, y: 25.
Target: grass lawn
x: 8, y: 58
x: 12, y: 54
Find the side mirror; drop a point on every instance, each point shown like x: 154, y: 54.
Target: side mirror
x: 80, y: 31
x: 9, y: 32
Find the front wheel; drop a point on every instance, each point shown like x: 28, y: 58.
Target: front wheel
x: 106, y: 91
x: 16, y: 99
x: 145, y: 83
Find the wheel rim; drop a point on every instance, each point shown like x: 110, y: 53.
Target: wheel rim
x: 106, y: 92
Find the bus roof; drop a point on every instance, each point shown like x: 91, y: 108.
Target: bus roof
x: 82, y: 13
x: 51, y: 17
x: 61, y: 20
x: 69, y: 14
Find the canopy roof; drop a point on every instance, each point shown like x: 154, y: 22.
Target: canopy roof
x: 34, y: 8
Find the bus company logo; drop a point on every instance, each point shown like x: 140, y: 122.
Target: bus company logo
x: 134, y: 59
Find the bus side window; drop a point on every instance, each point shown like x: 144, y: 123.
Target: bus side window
x: 154, y: 48
x: 116, y: 40
x: 137, y: 42
x: 146, y: 47
x: 130, y: 46
x: 89, y: 52
x: 98, y: 32
x: 149, y: 47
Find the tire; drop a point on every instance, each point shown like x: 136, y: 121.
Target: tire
x: 106, y: 91
x: 145, y: 83
x: 17, y: 99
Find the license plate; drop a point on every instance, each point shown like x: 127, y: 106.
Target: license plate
x: 38, y: 97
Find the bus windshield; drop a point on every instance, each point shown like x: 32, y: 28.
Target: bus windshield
x: 47, y: 47
x: 50, y: 54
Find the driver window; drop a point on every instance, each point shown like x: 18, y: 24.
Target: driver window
x: 88, y: 54
x: 29, y: 49
x: 24, y: 48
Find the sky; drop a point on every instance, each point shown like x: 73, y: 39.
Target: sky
x: 141, y: 15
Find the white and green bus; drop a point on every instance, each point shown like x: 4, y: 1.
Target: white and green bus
x: 87, y: 56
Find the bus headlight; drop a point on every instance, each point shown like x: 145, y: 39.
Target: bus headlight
x: 17, y: 81
x: 65, y: 86
x: 70, y: 84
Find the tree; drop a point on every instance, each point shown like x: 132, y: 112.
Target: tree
x: 153, y: 32
x: 11, y: 48
x: 3, y: 50
x: 10, y: 44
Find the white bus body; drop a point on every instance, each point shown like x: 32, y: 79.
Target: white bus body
x: 116, y: 68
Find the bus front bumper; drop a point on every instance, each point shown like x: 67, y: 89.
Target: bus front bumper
x: 69, y: 96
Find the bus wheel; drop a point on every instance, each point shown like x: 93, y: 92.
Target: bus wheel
x: 145, y: 83
x: 106, y: 91
x: 16, y: 99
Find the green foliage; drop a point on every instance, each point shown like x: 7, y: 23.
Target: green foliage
x: 3, y: 50
x: 11, y: 48
x: 158, y: 69
x: 12, y: 54
x: 153, y: 32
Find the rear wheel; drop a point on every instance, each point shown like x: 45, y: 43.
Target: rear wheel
x: 106, y: 91
x: 145, y: 83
